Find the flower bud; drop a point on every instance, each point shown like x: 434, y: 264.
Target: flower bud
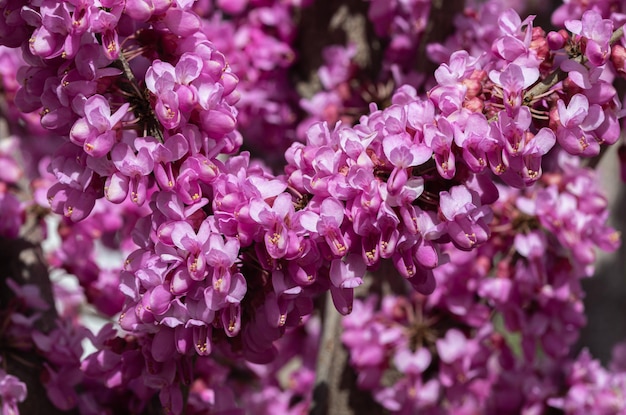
x: 618, y: 58
x: 556, y: 40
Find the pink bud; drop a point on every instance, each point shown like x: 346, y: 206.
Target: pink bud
x: 556, y: 40
x: 217, y: 123
x: 618, y: 57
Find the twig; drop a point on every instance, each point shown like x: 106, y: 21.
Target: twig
x: 329, y: 343
x: 154, y: 126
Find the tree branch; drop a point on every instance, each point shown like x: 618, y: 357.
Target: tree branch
x: 155, y: 128
x: 331, y: 331
x: 336, y: 391
x: 22, y: 261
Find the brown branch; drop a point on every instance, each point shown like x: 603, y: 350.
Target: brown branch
x: 329, y: 344
x: 22, y: 261
x: 336, y: 391
x: 155, y: 128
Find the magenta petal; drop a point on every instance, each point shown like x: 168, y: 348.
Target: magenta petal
x: 231, y: 319
x: 178, y: 146
x: 138, y: 189
x: 119, y: 114
x: 232, y: 6
x: 332, y: 210
x: 426, y: 254
x: 182, y: 23
x: 213, y: 299
x: 575, y: 112
x: 164, y: 176
x: 139, y: 9
x: 116, y: 188
x: 202, y: 339
x: 596, y: 54
x: 452, y: 347
x: 403, y: 261
x: 170, y: 205
x: 79, y: 205
x: 342, y: 299
x: 183, y: 339
x: 595, y: 117
x: 181, y: 281
x: 217, y: 123
x: 171, y: 398
x: 167, y: 111
x: 337, y: 270
x: 577, y: 73
x: 43, y: 42
x: 100, y: 145
x: 272, y: 310
x: 610, y: 130
x: 81, y: 130
x: 128, y: 319
x: 456, y: 202
x: 188, y: 68
x: 424, y: 282
x: 160, y: 299
x: 110, y: 44
x: 229, y: 81
x: 163, y: 344
x: 497, y: 289
x: 414, y: 363
x: 238, y: 288
x: 183, y: 234
x: 57, y: 119
x: 397, y: 180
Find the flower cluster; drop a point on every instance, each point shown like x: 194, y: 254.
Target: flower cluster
x: 449, y: 350
x: 12, y: 391
x: 372, y: 177
x: 259, y: 38
x: 592, y: 388
x: 472, y: 194
x: 341, y: 98
x: 403, y: 23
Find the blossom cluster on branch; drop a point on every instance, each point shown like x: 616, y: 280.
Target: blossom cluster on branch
x: 462, y: 191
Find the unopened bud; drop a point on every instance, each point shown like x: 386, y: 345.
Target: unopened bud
x: 539, y: 43
x: 473, y: 87
x: 618, y: 57
x: 474, y: 104
x: 556, y: 40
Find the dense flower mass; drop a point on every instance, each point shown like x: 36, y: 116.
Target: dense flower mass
x: 156, y: 131
x: 455, y: 349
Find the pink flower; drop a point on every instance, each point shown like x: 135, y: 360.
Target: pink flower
x: 172, y: 87
x: 439, y: 138
x: 281, y: 225
x: 536, y: 147
x: 403, y: 153
x: 132, y: 176
x: 467, y: 220
x: 597, y: 33
x: 12, y: 391
x: 95, y: 131
x: 327, y: 224
x: 578, y: 120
